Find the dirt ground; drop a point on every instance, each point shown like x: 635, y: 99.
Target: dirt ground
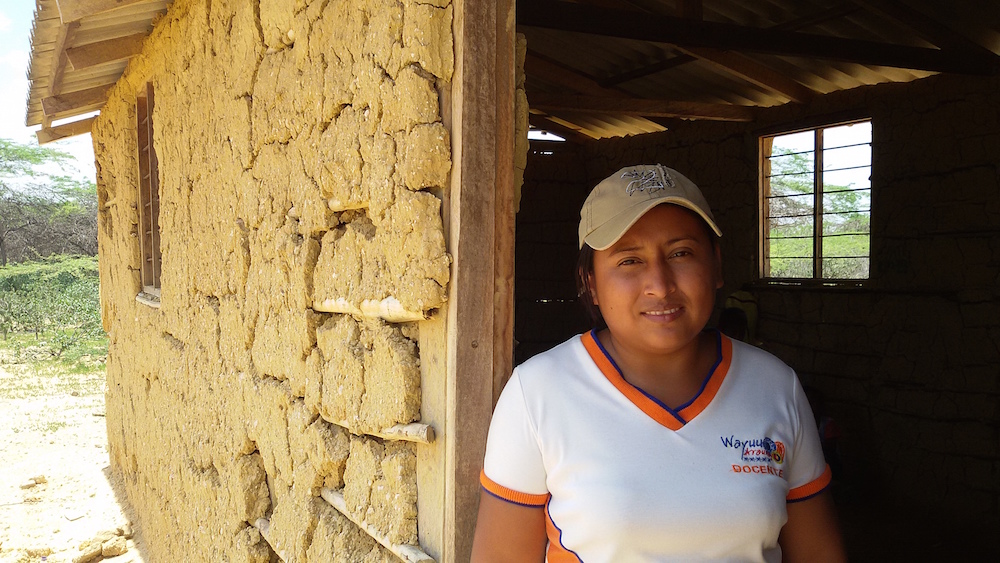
x: 55, y: 493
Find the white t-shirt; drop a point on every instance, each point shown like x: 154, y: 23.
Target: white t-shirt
x: 623, y: 477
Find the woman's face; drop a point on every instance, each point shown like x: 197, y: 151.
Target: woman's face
x: 656, y: 286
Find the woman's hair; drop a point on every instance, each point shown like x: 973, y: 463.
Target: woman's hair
x: 585, y: 293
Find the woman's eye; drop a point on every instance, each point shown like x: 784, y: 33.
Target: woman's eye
x: 628, y: 262
x: 681, y: 253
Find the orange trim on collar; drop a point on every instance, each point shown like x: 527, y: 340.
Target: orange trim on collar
x: 665, y: 417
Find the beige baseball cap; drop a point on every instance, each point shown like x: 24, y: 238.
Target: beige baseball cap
x: 622, y: 198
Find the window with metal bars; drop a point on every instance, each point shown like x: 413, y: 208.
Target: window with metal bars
x: 816, y: 198
x: 149, y: 194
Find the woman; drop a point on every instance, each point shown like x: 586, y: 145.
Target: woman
x: 649, y: 438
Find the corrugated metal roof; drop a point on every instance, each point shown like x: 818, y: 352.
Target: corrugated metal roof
x: 758, y: 77
x: 594, y: 61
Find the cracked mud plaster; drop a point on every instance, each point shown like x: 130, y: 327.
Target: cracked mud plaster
x: 298, y: 142
x: 364, y: 374
x: 377, y: 484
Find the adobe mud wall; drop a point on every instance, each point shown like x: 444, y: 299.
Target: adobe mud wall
x: 909, y: 363
x: 302, y: 161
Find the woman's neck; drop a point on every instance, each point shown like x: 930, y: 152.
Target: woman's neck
x: 672, y: 378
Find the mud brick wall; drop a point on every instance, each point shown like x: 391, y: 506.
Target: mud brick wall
x: 908, y: 364
x: 302, y: 158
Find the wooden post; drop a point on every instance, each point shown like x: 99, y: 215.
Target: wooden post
x: 480, y: 215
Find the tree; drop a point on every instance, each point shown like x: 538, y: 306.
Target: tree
x: 43, y: 213
x: 846, y: 221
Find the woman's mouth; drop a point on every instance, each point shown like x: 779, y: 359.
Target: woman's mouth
x: 662, y: 312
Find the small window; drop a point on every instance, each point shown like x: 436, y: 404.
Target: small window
x: 149, y: 196
x: 816, y: 198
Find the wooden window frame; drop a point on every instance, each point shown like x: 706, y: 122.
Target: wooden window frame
x: 148, y: 200
x: 764, y: 150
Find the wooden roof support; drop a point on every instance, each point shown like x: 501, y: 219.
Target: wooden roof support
x: 537, y: 65
x: 554, y: 125
x: 105, y: 51
x: 566, y: 16
x: 49, y: 134
x: 927, y: 27
x: 837, y: 11
x: 81, y: 101
x: 754, y: 72
x: 58, y: 66
x: 74, y: 10
x: 641, y: 107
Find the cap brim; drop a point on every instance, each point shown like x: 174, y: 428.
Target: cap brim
x: 613, y: 229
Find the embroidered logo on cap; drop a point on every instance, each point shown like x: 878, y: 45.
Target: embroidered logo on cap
x: 649, y: 181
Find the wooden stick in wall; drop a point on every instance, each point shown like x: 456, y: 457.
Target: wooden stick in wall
x: 408, y: 553
x: 412, y: 432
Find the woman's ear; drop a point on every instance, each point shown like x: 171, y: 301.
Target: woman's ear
x: 590, y: 289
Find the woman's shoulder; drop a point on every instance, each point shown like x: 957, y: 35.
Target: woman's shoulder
x: 567, y: 351
x: 749, y: 358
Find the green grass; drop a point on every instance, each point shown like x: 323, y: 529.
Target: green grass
x: 28, y: 369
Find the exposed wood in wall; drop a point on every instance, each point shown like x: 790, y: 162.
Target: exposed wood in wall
x: 85, y: 100
x: 105, y: 51
x: 407, y: 553
x: 581, y: 18
x: 49, y: 134
x: 263, y: 526
x: 74, y: 10
x: 643, y: 107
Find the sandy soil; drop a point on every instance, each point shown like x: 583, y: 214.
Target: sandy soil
x: 54, y: 471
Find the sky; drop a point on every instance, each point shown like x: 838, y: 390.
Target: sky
x: 15, y: 44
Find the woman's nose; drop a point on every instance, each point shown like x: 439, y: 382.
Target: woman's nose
x: 659, y: 278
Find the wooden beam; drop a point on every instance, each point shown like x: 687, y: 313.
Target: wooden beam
x: 58, y: 65
x: 641, y: 107
x: 80, y: 102
x: 566, y: 16
x: 931, y: 29
x: 537, y: 65
x: 505, y: 209
x: 690, y: 9
x: 754, y: 72
x: 472, y: 205
x: 837, y: 11
x: 547, y: 123
x: 74, y: 10
x: 49, y: 134
x: 105, y: 51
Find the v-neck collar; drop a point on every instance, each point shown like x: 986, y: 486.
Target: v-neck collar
x: 674, y: 419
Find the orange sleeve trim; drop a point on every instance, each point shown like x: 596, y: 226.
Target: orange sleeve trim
x: 811, y: 489
x: 510, y: 495
x: 645, y: 404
